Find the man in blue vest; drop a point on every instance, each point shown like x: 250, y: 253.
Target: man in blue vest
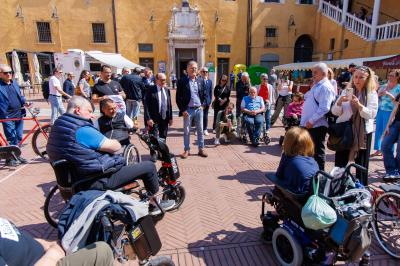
x: 11, y: 106
x: 253, y: 109
x: 74, y: 138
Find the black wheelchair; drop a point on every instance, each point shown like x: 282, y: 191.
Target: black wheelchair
x: 348, y: 239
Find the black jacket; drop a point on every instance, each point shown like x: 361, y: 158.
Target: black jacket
x: 132, y: 86
x: 183, y: 93
x: 151, y: 105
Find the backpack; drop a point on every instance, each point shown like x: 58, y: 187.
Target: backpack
x: 45, y: 90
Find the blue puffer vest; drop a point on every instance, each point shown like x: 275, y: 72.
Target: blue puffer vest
x: 62, y: 144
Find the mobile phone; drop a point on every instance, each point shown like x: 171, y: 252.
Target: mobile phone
x: 349, y: 92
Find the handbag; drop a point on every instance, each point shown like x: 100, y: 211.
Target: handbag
x: 316, y: 213
x: 340, y: 136
x: 214, y: 102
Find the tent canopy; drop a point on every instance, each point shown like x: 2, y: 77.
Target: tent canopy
x: 390, y: 62
x: 115, y: 60
x: 344, y: 63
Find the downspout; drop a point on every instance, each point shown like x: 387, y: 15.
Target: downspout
x: 249, y: 24
x: 114, y: 26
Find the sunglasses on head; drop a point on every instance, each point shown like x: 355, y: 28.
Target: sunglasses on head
x: 7, y: 72
x: 363, y: 68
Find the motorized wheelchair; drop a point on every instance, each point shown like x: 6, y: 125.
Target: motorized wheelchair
x: 348, y: 239
x: 69, y: 183
x: 243, y: 131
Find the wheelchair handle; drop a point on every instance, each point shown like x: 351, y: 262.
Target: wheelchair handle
x: 320, y: 172
x: 105, y: 221
x: 357, y: 166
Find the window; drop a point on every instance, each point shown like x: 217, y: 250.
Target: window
x: 223, y: 67
x: 271, y: 37
x: 332, y: 44
x: 147, y: 62
x: 305, y: 2
x: 271, y: 1
x: 224, y: 48
x: 99, y: 33
x: 44, y: 32
x: 346, y: 43
x: 145, y: 47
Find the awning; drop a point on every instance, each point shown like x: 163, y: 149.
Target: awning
x: 114, y: 60
x: 344, y: 63
x: 387, y: 63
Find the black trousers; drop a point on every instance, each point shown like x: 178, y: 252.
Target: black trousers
x: 205, y: 117
x: 318, y: 135
x: 146, y: 171
x: 162, y: 128
x: 342, y: 159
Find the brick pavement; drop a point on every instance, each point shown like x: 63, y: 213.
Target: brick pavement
x: 218, y: 224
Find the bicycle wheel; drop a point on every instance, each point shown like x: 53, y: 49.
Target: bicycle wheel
x: 386, y: 222
x: 39, y: 141
x: 131, y: 155
x: 53, y: 205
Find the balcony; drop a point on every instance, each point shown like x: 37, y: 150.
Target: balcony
x: 362, y: 28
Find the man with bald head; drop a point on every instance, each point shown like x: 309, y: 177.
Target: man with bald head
x: 157, y: 106
x: 11, y: 106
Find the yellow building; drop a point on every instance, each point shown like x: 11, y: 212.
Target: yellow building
x: 165, y: 34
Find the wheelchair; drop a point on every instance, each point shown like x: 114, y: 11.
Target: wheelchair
x: 348, y: 239
x: 243, y: 131
x: 289, y: 122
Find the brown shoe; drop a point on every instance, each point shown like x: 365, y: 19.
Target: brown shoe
x: 202, y: 153
x: 185, y: 154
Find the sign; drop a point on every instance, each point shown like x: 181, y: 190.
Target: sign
x: 211, y: 67
x: 161, y: 67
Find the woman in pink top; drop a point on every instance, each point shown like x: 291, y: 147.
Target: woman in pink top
x: 295, y: 108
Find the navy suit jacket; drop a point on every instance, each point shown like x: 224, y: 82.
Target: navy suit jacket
x: 208, y: 87
x: 4, y: 102
x: 183, y: 93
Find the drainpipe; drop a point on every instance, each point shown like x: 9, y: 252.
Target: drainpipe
x: 114, y: 26
x: 249, y: 24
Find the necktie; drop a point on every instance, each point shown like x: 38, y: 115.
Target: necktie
x: 163, y: 105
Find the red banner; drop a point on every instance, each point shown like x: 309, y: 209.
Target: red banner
x: 388, y: 63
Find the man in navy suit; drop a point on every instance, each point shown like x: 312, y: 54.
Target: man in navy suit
x: 208, y: 87
x: 11, y: 106
x: 191, y: 98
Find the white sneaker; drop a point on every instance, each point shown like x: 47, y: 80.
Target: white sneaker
x: 216, y: 141
x: 214, y: 132
x: 195, y: 132
x: 206, y: 133
x: 226, y: 140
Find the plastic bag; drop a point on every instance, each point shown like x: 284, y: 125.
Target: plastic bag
x: 316, y: 213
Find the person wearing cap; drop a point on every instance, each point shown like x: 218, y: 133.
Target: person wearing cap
x: 55, y: 95
x: 68, y: 85
x: 208, y: 87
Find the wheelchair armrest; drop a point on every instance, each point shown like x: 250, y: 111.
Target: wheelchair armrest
x: 92, y: 178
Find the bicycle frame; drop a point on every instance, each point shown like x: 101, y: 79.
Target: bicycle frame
x: 33, y: 129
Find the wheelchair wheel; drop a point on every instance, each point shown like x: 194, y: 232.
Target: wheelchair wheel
x: 53, y: 206
x: 386, y: 223
x: 131, y: 155
x: 178, y: 194
x: 286, y: 248
x: 267, y: 140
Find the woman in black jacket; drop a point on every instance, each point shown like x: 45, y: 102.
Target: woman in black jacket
x: 222, y: 93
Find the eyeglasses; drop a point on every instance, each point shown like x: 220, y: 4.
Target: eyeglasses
x: 7, y: 72
x: 224, y: 80
x: 204, y: 71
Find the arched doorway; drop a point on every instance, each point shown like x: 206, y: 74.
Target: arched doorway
x: 269, y: 61
x: 303, y: 49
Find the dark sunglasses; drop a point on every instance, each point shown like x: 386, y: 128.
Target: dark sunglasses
x: 7, y: 72
x: 224, y: 80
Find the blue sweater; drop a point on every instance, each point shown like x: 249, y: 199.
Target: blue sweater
x: 296, y: 172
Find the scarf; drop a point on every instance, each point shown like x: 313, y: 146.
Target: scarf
x: 359, y: 135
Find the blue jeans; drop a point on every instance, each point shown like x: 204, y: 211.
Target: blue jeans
x: 268, y: 119
x: 132, y: 108
x: 197, y: 115
x: 253, y: 125
x: 57, y: 107
x: 392, y: 164
x: 13, y: 131
x: 382, y: 118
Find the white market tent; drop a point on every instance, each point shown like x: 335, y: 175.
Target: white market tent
x: 114, y: 60
x: 344, y: 63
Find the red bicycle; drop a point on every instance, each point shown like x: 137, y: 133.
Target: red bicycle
x: 39, y: 138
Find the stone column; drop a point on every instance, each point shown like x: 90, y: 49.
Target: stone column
x: 320, y: 5
x: 375, y: 19
x: 344, y: 11
x: 171, y: 58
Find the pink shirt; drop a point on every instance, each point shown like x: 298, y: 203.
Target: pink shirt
x: 294, y: 108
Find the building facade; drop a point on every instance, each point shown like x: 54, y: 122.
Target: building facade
x: 165, y: 35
